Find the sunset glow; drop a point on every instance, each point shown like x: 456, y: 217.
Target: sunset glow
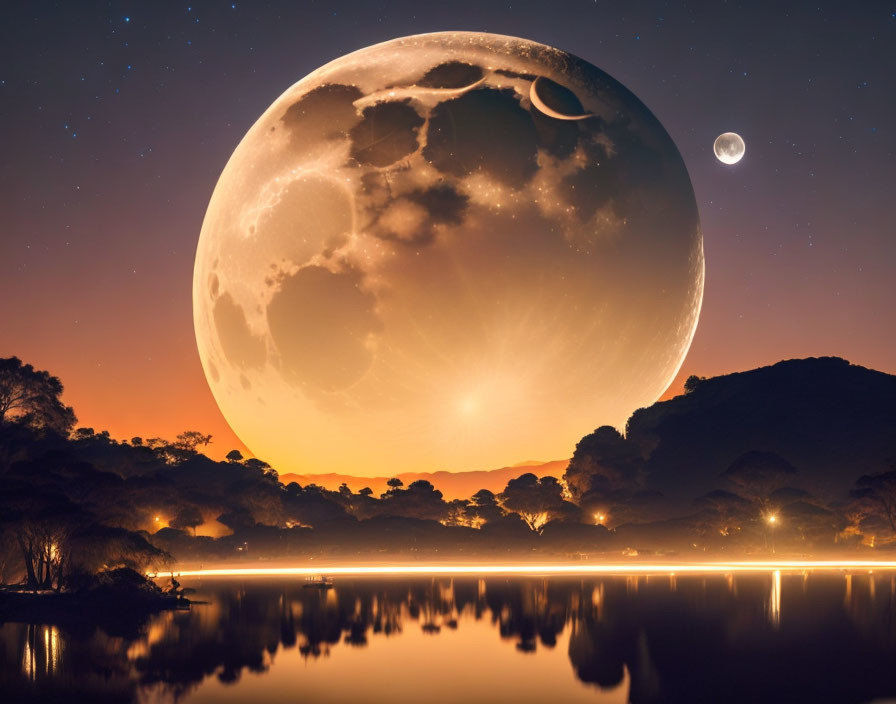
x: 382, y: 352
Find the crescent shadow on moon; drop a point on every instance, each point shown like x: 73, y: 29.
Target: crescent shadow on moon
x: 539, y: 103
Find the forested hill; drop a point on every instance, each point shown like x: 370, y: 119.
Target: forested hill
x: 832, y: 420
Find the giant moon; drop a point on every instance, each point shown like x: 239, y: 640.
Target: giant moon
x: 418, y: 258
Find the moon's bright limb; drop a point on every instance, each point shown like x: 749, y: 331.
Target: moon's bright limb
x: 408, y: 265
x: 536, y: 100
x: 729, y: 148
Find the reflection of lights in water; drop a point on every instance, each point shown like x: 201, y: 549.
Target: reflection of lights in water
x: 574, y: 569
x: 597, y: 600
x: 36, y: 663
x: 847, y: 598
x: 28, y: 657
x: 55, y: 658
x: 774, y: 599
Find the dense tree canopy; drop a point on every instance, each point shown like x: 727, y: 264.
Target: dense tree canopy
x: 80, y: 502
x: 757, y: 475
x: 878, y: 494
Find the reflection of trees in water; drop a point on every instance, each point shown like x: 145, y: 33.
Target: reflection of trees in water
x: 676, y: 638
x: 48, y: 663
x: 531, y: 611
x: 716, y: 640
x: 684, y: 639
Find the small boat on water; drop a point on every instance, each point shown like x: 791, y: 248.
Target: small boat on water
x: 318, y: 581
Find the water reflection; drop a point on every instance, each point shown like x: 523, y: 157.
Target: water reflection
x: 774, y: 599
x: 41, y: 652
x: 664, y: 638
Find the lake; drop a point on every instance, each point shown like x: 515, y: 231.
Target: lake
x: 791, y: 637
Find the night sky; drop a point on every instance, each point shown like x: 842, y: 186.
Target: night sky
x: 116, y: 120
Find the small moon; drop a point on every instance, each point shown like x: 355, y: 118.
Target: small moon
x: 729, y: 148
x: 567, y: 105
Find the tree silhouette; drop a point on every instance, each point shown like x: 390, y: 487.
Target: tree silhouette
x: 878, y: 492
x: 535, y: 500
x: 604, y: 462
x: 237, y: 520
x: 483, y: 508
x: 812, y: 525
x: 757, y: 475
x: 188, y: 517
x: 692, y: 382
x: 420, y: 500
x: 234, y: 456
x: 262, y: 468
x: 32, y: 397
x: 726, y: 512
x: 604, y: 477
x: 394, y: 485
x: 182, y: 449
x: 42, y: 523
x: 189, y: 440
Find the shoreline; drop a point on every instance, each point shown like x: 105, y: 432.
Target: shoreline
x: 18, y: 606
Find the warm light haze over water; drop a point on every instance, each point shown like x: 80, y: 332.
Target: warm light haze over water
x: 792, y: 636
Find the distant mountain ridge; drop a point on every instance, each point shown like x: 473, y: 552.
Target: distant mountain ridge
x: 453, y: 485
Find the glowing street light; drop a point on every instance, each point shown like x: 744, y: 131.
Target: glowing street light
x: 600, y: 518
x: 772, y: 520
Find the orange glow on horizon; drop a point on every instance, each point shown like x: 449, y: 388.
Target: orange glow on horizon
x: 532, y: 570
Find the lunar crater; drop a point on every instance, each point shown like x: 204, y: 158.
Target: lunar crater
x: 386, y: 133
x: 324, y: 112
x: 484, y: 130
x: 322, y: 324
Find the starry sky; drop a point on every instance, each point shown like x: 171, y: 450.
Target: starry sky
x: 116, y: 120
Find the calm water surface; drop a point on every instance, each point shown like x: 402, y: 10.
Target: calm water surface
x: 789, y: 638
